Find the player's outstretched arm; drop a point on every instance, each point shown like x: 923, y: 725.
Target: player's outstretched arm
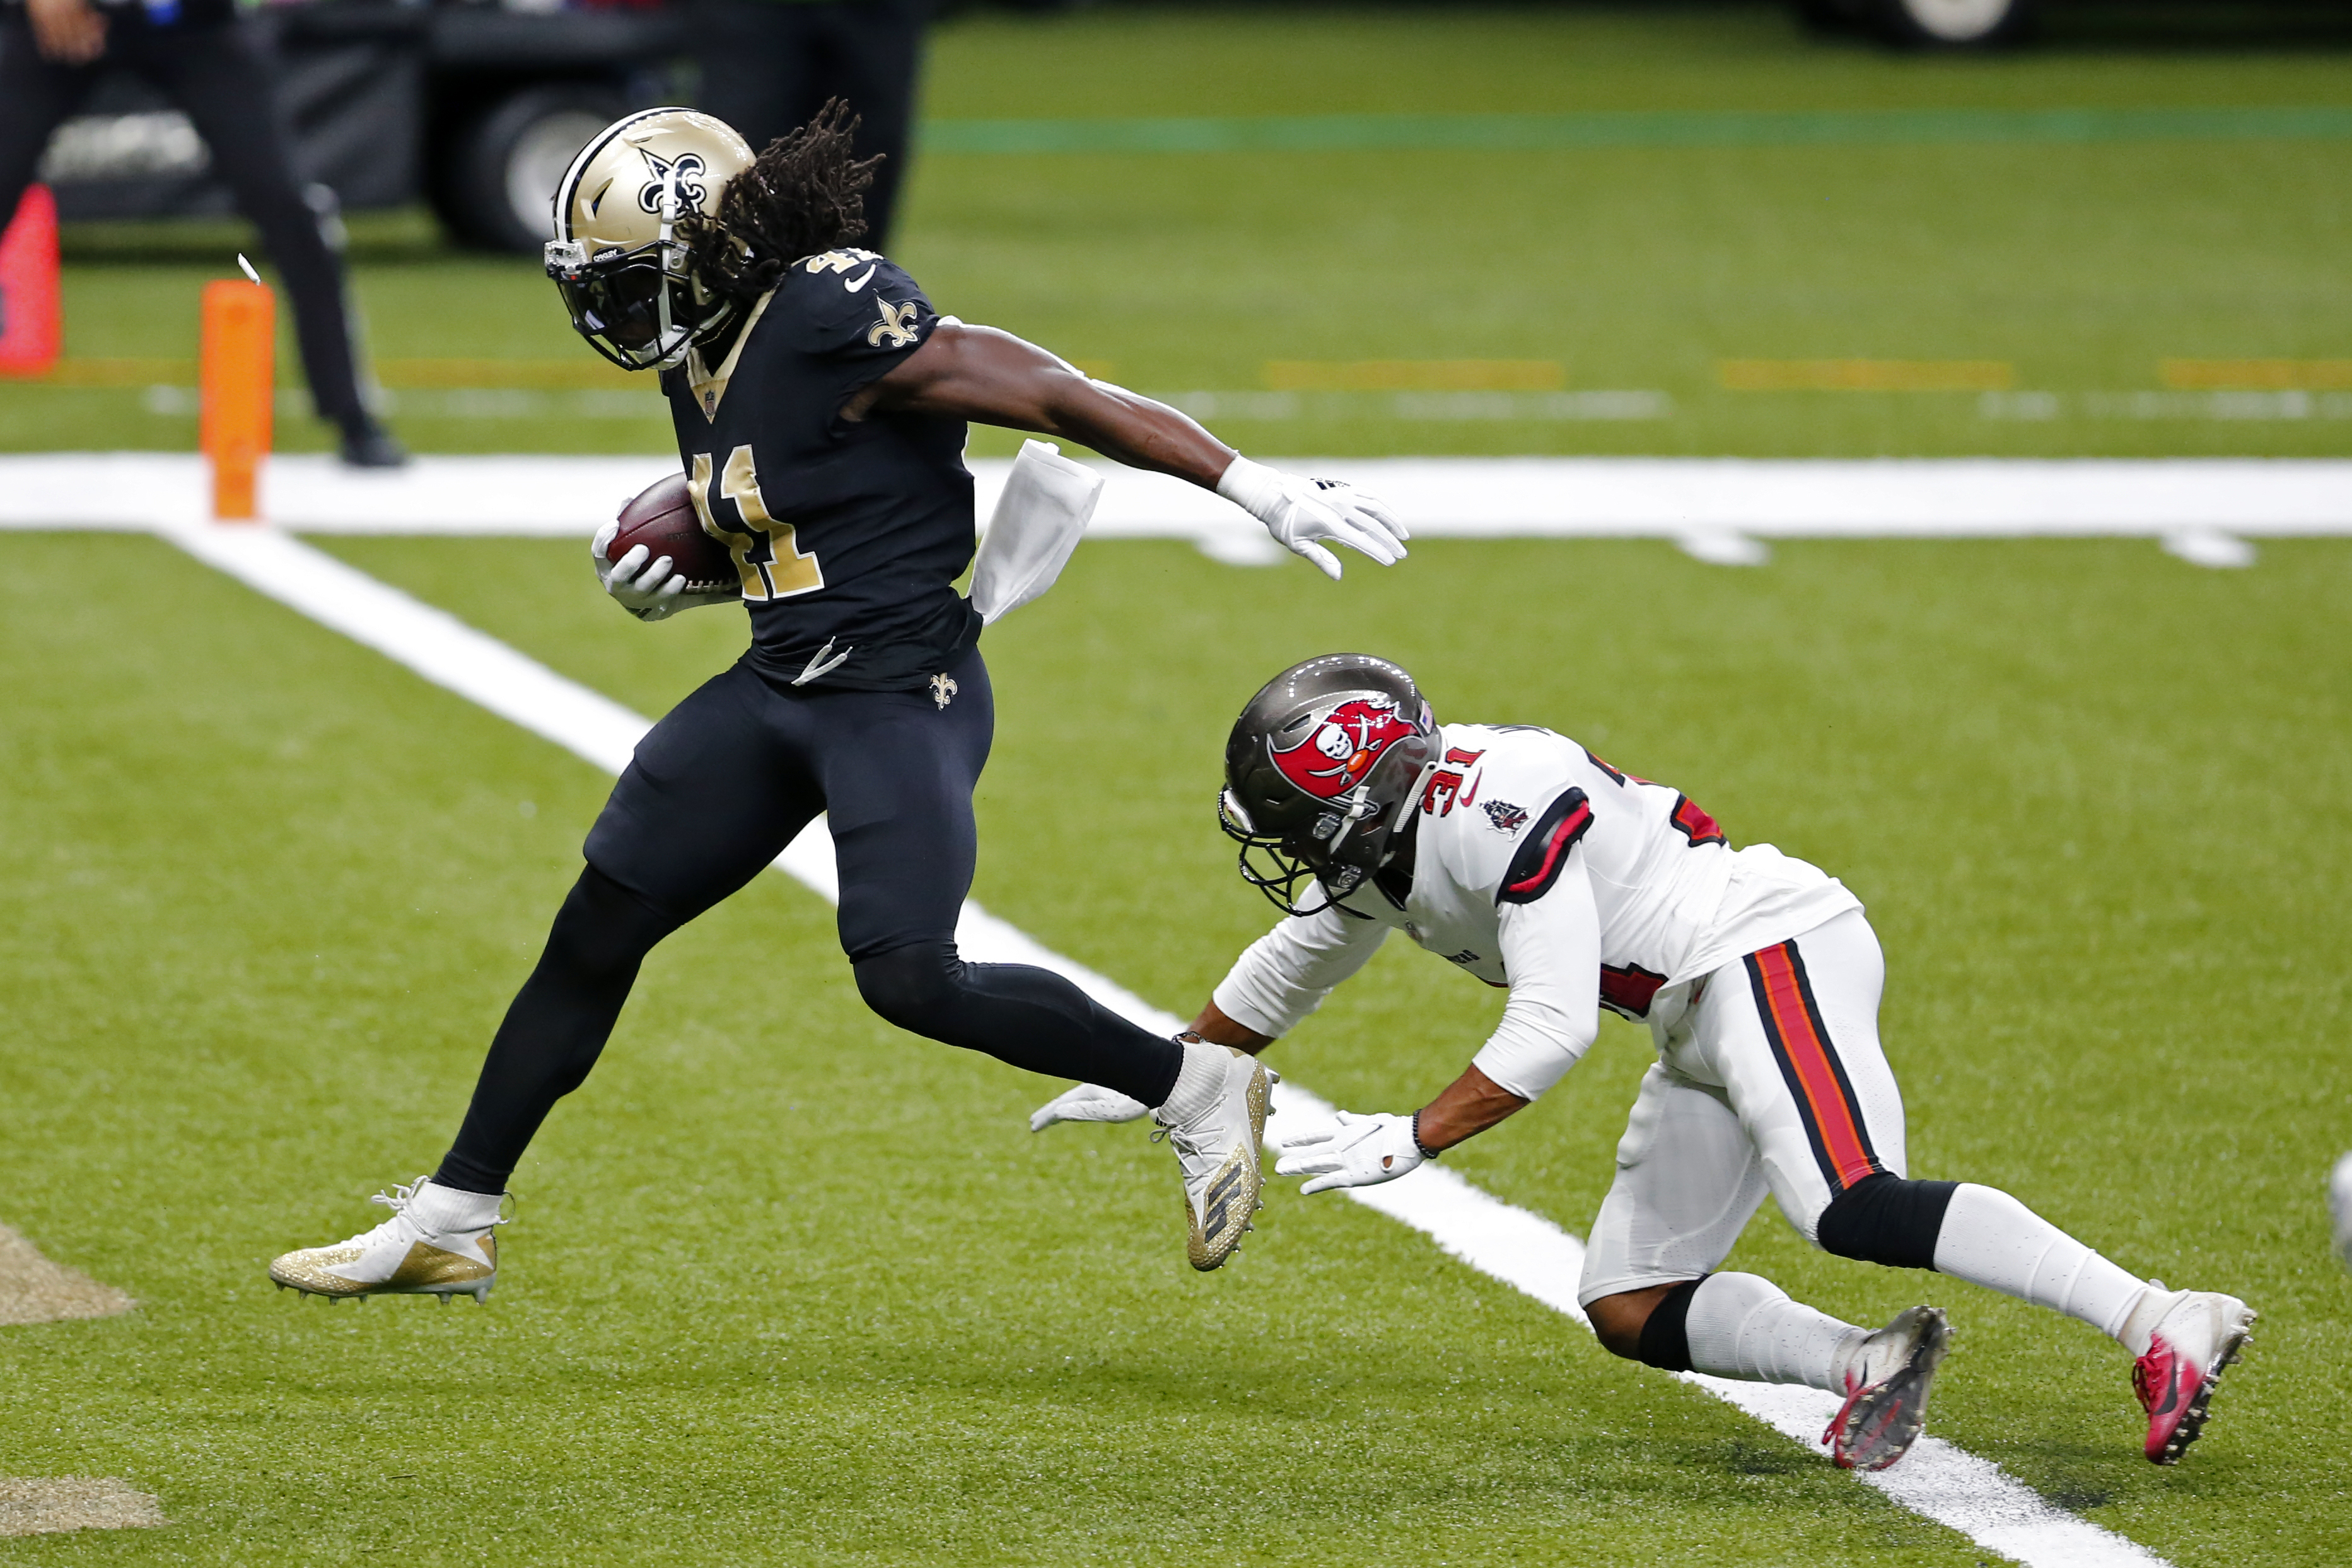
x: 992, y: 377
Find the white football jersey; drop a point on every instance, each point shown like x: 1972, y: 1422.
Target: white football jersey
x: 1539, y: 867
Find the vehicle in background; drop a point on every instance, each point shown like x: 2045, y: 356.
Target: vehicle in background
x: 1986, y: 23
x: 475, y: 109
x: 1947, y: 24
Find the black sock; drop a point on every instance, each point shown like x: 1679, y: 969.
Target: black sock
x: 1886, y: 1219
x: 1665, y: 1336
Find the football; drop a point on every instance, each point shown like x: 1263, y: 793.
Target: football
x: 662, y: 518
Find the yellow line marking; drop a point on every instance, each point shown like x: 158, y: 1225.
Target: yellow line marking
x: 1866, y: 375
x: 1415, y: 375
x: 2256, y: 375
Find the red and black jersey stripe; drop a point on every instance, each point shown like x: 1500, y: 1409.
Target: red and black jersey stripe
x: 1629, y: 990
x: 1543, y: 853
x: 1810, y: 1065
x: 1690, y: 819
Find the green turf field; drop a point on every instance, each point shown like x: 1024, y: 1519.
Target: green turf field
x: 2073, y: 268
x: 790, y: 1287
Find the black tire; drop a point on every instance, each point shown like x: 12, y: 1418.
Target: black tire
x: 1954, y: 23
x: 1833, y: 18
x: 501, y: 169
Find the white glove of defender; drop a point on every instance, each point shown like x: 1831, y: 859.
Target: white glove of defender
x: 644, y: 584
x: 1087, y: 1102
x: 1361, y: 1151
x: 1298, y: 511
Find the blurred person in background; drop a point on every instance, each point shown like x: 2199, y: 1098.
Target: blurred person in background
x: 52, y: 52
x: 769, y: 65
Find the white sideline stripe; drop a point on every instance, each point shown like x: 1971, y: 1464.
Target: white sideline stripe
x: 432, y: 642
x: 1706, y: 500
x: 1521, y: 1248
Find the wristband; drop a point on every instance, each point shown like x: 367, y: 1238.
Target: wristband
x: 1253, y: 486
x: 1426, y: 1152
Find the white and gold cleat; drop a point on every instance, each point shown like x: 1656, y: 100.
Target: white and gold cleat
x: 438, y: 1242
x: 1219, y: 1153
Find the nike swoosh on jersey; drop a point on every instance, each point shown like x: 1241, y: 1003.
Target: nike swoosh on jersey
x: 853, y: 287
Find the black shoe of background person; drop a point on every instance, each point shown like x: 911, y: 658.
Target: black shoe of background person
x: 367, y: 445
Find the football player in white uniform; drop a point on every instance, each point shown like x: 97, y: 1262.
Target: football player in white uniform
x: 1520, y: 856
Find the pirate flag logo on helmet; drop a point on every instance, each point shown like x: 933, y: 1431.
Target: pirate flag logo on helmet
x: 1339, y: 752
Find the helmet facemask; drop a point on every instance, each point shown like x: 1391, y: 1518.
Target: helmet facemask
x: 640, y: 309
x: 1344, y: 844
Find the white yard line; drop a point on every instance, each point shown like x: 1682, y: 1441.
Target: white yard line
x: 1717, y: 509
x: 1521, y: 1248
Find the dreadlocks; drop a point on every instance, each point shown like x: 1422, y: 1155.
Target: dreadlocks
x: 804, y: 194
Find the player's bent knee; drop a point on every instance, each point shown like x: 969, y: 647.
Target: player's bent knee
x: 1647, y: 1326
x: 603, y: 928
x: 1886, y: 1220
x: 916, y: 987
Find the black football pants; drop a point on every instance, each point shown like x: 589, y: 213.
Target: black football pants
x: 217, y: 75
x: 718, y: 789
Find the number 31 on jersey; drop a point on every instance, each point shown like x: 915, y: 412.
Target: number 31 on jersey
x: 765, y: 551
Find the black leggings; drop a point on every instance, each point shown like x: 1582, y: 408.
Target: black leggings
x: 716, y: 791
x: 217, y: 72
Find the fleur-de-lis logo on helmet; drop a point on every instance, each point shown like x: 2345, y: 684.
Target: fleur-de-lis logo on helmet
x: 679, y: 183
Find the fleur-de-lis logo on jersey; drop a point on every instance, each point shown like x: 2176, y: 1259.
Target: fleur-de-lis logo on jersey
x: 943, y: 689
x: 678, y: 184
x: 897, y: 324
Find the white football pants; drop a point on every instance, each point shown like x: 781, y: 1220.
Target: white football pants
x: 1770, y: 1079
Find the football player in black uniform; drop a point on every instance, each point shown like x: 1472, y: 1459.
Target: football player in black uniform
x: 821, y: 406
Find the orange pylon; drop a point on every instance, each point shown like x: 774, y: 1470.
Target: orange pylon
x: 29, y: 324
x: 237, y: 373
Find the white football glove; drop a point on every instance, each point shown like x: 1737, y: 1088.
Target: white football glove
x: 1087, y: 1102
x: 1298, y: 511
x: 1361, y: 1151
x: 644, y: 584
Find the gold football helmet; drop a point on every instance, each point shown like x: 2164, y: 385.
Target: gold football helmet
x: 622, y: 273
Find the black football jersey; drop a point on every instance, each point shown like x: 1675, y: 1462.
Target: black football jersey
x: 848, y: 535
